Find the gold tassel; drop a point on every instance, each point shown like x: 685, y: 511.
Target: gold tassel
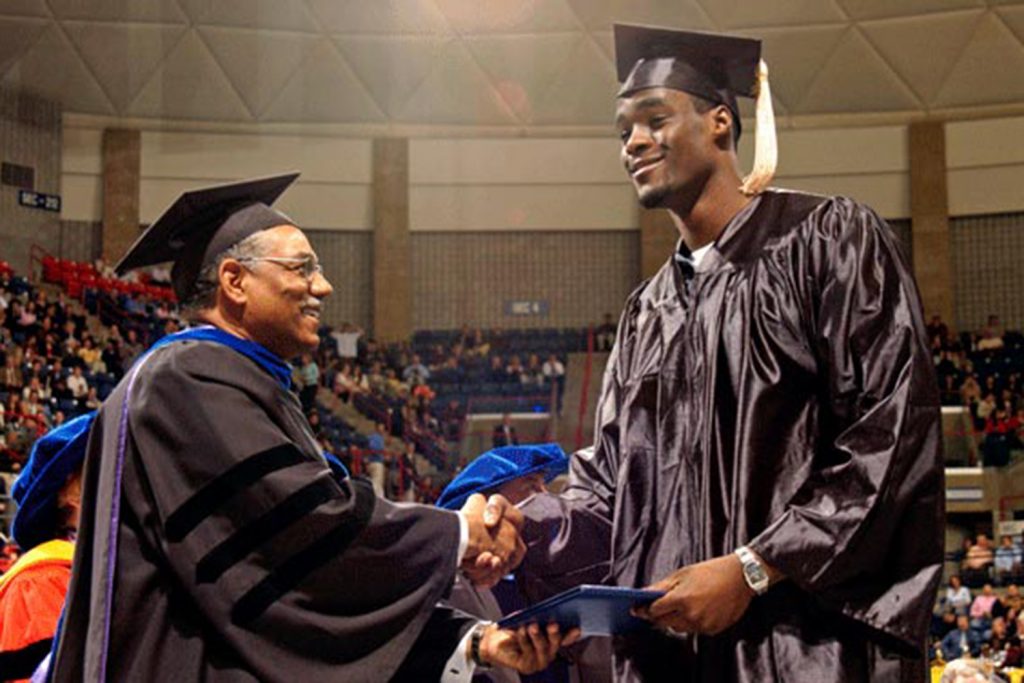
x: 766, y: 151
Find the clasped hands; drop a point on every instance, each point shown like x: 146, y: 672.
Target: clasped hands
x: 495, y: 546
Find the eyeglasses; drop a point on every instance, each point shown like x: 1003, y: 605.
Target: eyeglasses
x: 306, y: 266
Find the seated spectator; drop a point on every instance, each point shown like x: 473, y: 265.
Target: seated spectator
x: 346, y: 339
x: 937, y: 330
x: 991, y: 336
x: 604, y: 334
x: 1008, y: 557
x: 309, y: 381
x: 497, y: 371
x: 504, y: 433
x: 11, y: 380
x: 1000, y: 438
x: 981, y: 608
x: 416, y: 372
x: 984, y: 409
x: 970, y: 391
x: 514, y: 369
x: 92, y: 401
x: 533, y: 373
x: 91, y: 356
x: 377, y: 441
x: 346, y: 387
x: 979, y: 557
x: 77, y: 383
x: 451, y: 420
x: 958, y: 596
x: 554, y: 372
x: 961, y: 641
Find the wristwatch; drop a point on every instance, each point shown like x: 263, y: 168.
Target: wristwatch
x: 475, y: 639
x: 753, y: 571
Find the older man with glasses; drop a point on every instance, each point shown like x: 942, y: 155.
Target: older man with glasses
x: 217, y: 542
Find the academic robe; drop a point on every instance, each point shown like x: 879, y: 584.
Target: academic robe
x: 239, y: 556
x: 31, y: 599
x: 781, y: 395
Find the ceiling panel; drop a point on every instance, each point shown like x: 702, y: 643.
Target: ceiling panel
x: 20, y: 33
x: 51, y: 68
x: 457, y: 91
x: 324, y: 88
x: 123, y: 57
x: 924, y: 49
x: 189, y: 84
x: 988, y: 71
x: 601, y: 14
x: 392, y: 68
x: 258, y: 63
x: 853, y: 74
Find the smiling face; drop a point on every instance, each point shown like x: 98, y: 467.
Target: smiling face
x: 283, y: 307
x: 668, y: 148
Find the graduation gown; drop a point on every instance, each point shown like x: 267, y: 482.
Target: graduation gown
x: 781, y: 396
x: 239, y: 556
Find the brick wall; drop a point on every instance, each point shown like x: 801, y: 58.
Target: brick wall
x: 466, y: 278
x: 346, y: 260
x: 988, y: 262
x: 30, y: 135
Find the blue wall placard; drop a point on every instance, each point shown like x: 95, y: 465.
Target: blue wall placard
x: 39, y: 200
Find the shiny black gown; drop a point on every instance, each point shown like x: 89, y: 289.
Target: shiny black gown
x: 781, y: 395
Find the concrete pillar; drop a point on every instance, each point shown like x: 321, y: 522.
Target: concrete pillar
x: 658, y: 238
x: 121, y: 171
x: 392, y: 255
x: 929, y: 213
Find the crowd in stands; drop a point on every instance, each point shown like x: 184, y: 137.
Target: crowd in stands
x: 986, y: 622
x: 984, y: 373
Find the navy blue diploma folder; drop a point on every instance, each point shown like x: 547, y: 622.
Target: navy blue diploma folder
x: 597, y: 610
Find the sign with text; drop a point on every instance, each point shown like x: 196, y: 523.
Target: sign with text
x: 521, y: 308
x: 39, y: 200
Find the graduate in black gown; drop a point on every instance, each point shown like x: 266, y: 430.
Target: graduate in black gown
x: 767, y: 443
x: 217, y: 542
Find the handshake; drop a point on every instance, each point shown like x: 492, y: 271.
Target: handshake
x: 495, y: 547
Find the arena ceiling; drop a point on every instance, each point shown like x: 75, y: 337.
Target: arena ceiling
x: 492, y: 63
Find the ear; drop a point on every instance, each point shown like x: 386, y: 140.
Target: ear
x: 232, y: 278
x: 720, y: 120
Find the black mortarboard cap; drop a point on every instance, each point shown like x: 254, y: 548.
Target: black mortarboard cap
x: 202, y: 223
x: 715, y: 67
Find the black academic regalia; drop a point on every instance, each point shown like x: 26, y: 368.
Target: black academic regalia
x: 240, y: 557
x: 782, y: 397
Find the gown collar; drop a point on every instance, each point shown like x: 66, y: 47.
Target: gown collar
x: 266, y: 359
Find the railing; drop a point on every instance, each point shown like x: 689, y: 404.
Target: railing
x: 588, y: 369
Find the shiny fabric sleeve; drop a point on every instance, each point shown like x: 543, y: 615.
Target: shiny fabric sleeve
x: 863, y: 533
x: 568, y: 536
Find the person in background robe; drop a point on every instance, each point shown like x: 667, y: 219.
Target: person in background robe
x: 48, y: 494
x: 218, y: 542
x: 516, y: 473
x: 767, y: 442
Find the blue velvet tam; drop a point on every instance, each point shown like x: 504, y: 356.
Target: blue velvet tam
x: 54, y: 458
x: 501, y: 465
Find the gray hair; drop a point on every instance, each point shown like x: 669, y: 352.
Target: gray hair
x: 204, y: 291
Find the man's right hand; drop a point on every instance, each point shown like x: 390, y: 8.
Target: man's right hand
x: 495, y: 547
